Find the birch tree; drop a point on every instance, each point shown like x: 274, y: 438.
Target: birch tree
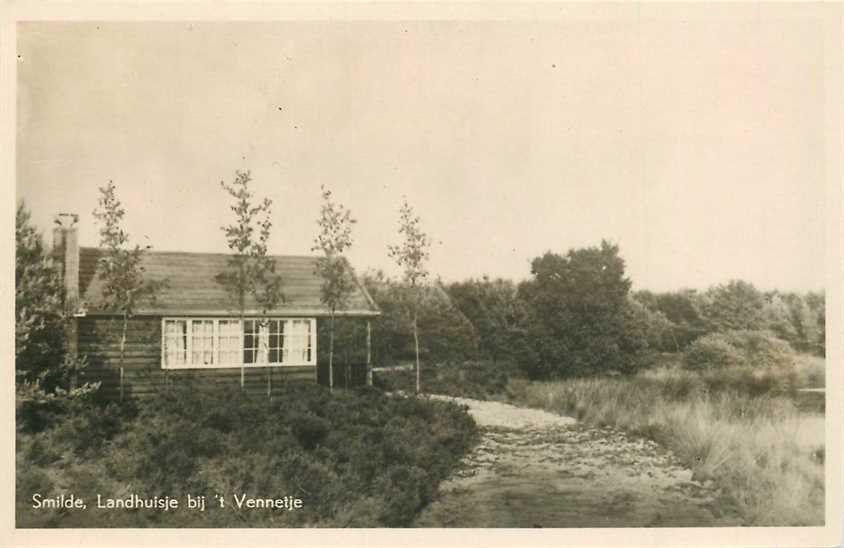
x: 251, y: 271
x: 411, y: 255
x: 333, y: 239
x: 120, y: 268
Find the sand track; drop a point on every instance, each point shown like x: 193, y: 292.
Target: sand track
x: 532, y: 468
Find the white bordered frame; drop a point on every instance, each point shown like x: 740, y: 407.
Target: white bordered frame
x: 225, y: 342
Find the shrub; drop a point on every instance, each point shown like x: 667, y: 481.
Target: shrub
x: 713, y: 352
x: 758, y: 349
x: 309, y: 429
x: 355, y: 458
x: 405, y: 487
x: 762, y: 348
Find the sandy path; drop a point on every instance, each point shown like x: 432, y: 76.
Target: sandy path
x: 536, y: 469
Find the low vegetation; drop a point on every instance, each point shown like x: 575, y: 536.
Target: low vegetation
x: 481, y: 380
x: 749, y: 445
x: 358, y: 459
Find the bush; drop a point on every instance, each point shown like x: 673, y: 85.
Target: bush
x: 713, y: 352
x: 355, y: 458
x: 758, y: 349
x: 309, y: 429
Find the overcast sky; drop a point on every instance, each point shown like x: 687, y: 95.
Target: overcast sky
x: 697, y: 147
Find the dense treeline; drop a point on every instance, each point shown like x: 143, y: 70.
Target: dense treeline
x: 797, y: 319
x: 577, y: 315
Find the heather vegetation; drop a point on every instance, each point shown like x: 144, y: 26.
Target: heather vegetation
x: 355, y: 458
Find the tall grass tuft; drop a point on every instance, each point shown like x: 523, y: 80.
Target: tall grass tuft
x: 747, y: 444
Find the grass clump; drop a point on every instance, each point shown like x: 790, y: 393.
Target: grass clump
x: 748, y: 445
x: 358, y: 459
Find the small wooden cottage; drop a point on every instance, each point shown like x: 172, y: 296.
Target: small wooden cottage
x: 192, y: 329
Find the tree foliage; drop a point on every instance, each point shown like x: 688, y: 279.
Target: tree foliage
x: 334, y: 238
x: 795, y: 319
x: 496, y: 313
x: 450, y: 337
x: 39, y: 315
x: 817, y: 305
x: 251, y: 270
x: 576, y: 306
x: 647, y: 329
x: 735, y: 305
x: 682, y: 310
x: 412, y: 255
x: 120, y: 267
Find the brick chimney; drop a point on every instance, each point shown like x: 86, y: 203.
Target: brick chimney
x: 66, y: 252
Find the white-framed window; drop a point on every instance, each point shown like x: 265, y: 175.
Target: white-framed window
x: 193, y: 343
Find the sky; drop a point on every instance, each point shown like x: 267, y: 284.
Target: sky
x: 695, y: 146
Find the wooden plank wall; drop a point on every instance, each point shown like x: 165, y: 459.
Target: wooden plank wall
x: 99, y: 340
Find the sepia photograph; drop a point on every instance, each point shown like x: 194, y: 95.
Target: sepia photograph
x: 426, y: 271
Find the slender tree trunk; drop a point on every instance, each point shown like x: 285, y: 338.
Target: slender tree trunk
x: 242, y: 355
x: 241, y: 301
x: 676, y: 346
x: 347, y: 369
x: 416, y: 344
x: 331, y: 353
x: 123, y: 351
x: 368, y: 354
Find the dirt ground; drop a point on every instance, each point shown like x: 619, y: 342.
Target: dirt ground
x: 536, y: 469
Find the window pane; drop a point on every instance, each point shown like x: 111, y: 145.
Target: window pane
x: 202, y: 342
x: 229, y: 339
x: 262, y: 342
x: 249, y: 341
x: 175, y: 342
x: 275, y: 340
x: 299, y: 341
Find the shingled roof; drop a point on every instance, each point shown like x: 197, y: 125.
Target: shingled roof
x: 192, y: 289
